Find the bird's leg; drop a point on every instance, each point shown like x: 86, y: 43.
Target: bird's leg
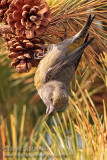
x: 38, y: 55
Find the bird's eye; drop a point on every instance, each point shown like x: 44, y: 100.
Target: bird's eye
x: 51, y: 99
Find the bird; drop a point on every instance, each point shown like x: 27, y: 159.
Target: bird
x: 56, y: 70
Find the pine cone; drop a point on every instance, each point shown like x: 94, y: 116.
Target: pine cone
x: 28, y: 17
x: 26, y: 53
x: 4, y: 5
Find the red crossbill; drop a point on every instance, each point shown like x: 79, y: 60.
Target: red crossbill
x: 58, y: 67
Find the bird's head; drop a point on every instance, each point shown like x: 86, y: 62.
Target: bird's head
x: 54, y: 95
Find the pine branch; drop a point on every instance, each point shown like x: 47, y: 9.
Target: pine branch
x: 5, y: 29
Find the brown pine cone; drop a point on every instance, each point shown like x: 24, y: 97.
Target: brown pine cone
x: 28, y: 17
x: 26, y: 53
x: 4, y: 5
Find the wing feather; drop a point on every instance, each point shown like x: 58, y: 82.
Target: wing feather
x: 69, y: 61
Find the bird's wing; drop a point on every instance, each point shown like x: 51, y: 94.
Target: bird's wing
x: 70, y: 61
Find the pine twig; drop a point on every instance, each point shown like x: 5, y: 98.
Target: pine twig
x: 5, y: 29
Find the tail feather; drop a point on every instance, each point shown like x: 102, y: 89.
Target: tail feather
x: 87, y: 25
x: 86, y: 39
x: 74, y: 58
x: 89, y: 21
x: 69, y: 62
x: 79, y: 51
x: 84, y: 30
x: 78, y: 39
x: 86, y: 43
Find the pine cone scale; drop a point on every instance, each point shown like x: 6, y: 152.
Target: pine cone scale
x: 23, y: 22
x: 30, y: 45
x: 18, y: 4
x: 18, y: 25
x: 13, y: 55
x: 26, y: 7
x: 27, y: 55
x: 33, y: 18
x: 19, y: 48
x: 16, y: 15
x: 24, y: 14
x: 15, y: 63
x: 4, y: 5
x: 21, y: 57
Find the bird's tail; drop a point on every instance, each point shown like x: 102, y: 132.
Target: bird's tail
x: 84, y: 30
x: 86, y: 43
x: 87, y: 25
x: 78, y: 39
x: 74, y: 58
x: 79, y: 51
x: 82, y: 48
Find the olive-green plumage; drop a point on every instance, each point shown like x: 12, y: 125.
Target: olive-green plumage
x: 57, y: 68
